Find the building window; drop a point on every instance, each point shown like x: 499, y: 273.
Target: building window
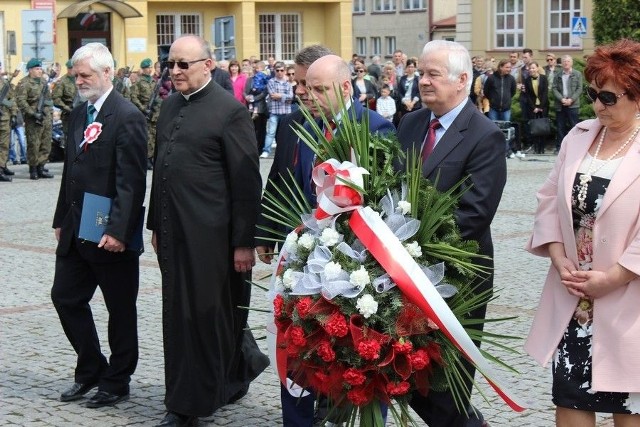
x: 361, y: 46
x: 384, y: 5
x: 170, y: 27
x: 509, y: 24
x: 376, y: 46
x: 280, y: 35
x: 413, y: 5
x: 358, y: 6
x: 560, y: 14
x: 390, y: 45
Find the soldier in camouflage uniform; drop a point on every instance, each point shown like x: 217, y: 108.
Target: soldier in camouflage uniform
x: 37, y: 124
x: 66, y: 97
x: 141, y: 93
x: 119, y: 84
x: 8, y: 111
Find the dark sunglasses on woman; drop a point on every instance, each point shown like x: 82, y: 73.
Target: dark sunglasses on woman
x: 607, y: 98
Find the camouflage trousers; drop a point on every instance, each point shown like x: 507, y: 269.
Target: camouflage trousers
x: 151, y: 143
x: 38, y: 141
x: 5, y: 141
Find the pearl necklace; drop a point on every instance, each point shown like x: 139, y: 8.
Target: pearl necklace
x: 585, y: 178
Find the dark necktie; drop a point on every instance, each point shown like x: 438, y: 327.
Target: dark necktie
x: 430, y: 140
x: 91, y: 114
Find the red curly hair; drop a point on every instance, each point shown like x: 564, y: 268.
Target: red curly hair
x: 618, y: 63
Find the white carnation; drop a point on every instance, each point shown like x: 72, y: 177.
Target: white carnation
x: 414, y: 249
x: 360, y: 278
x: 306, y: 241
x: 367, y: 306
x: 329, y: 237
x: 332, y: 270
x: 291, y: 242
x: 287, y: 279
x: 404, y: 207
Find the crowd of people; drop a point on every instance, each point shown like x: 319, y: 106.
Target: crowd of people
x: 441, y: 105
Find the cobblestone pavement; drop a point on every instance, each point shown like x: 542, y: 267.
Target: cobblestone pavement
x: 36, y: 360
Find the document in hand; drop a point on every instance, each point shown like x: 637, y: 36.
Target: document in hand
x: 95, y: 218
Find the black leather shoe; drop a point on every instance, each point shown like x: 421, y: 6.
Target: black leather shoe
x: 42, y: 174
x: 5, y: 178
x: 16, y: 162
x: 173, y: 419
x: 33, y: 174
x: 7, y: 172
x: 23, y: 162
x: 104, y: 398
x: 76, y: 391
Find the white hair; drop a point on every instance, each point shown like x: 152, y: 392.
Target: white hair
x: 98, y: 55
x: 458, y: 60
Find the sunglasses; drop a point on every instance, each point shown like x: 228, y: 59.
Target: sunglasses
x: 291, y: 74
x: 183, y: 65
x: 607, y: 98
x: 550, y: 59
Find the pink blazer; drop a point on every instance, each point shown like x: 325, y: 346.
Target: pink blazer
x: 616, y: 238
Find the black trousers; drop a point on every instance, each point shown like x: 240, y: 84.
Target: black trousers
x: 74, y: 284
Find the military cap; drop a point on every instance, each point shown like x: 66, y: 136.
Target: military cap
x: 33, y: 62
x: 146, y: 63
x: 69, y: 64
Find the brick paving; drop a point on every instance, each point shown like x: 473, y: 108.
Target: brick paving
x: 36, y: 360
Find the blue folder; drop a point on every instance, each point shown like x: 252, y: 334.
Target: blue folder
x: 95, y: 218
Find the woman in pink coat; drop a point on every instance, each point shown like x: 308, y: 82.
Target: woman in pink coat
x: 588, y: 223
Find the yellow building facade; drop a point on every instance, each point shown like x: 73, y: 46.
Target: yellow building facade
x: 138, y: 29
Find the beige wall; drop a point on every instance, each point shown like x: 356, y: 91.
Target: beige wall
x: 326, y: 22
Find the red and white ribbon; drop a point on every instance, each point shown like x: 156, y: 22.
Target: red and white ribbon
x: 335, y: 184
x: 416, y: 286
x: 91, y: 133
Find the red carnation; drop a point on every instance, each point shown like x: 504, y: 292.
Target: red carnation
x: 398, y: 389
x: 296, y: 333
x: 359, y: 396
x: 278, y: 304
x: 369, y: 350
x: 419, y: 360
x: 304, y: 305
x: 402, y: 346
x: 336, y: 325
x: 325, y: 351
x: 354, y: 377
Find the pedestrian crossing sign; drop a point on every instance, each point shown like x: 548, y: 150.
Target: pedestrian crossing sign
x: 579, y: 26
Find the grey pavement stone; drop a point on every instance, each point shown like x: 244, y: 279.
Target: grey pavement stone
x: 36, y: 361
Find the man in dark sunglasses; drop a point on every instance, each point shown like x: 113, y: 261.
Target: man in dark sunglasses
x: 205, y: 198
x: 567, y: 87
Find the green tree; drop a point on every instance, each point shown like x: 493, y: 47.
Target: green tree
x: 615, y: 19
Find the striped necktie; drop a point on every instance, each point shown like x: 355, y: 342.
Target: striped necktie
x: 91, y: 114
x: 430, y: 140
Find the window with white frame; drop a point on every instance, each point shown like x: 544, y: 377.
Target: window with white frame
x: 358, y: 6
x: 280, y: 35
x: 560, y: 14
x: 413, y: 5
x: 390, y: 45
x: 170, y: 27
x: 361, y: 46
x: 509, y: 23
x: 384, y: 5
x: 376, y: 46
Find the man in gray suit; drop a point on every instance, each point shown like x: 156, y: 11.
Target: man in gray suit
x: 567, y: 88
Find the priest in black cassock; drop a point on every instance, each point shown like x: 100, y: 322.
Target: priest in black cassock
x: 205, y: 200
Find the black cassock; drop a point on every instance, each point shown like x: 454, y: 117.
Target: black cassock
x: 205, y: 198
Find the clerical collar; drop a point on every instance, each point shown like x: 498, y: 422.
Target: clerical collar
x: 187, y: 96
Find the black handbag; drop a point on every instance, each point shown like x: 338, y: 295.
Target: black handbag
x: 540, y: 126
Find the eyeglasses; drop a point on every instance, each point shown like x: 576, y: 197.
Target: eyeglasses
x: 291, y: 74
x: 280, y: 70
x: 183, y: 65
x: 607, y: 98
